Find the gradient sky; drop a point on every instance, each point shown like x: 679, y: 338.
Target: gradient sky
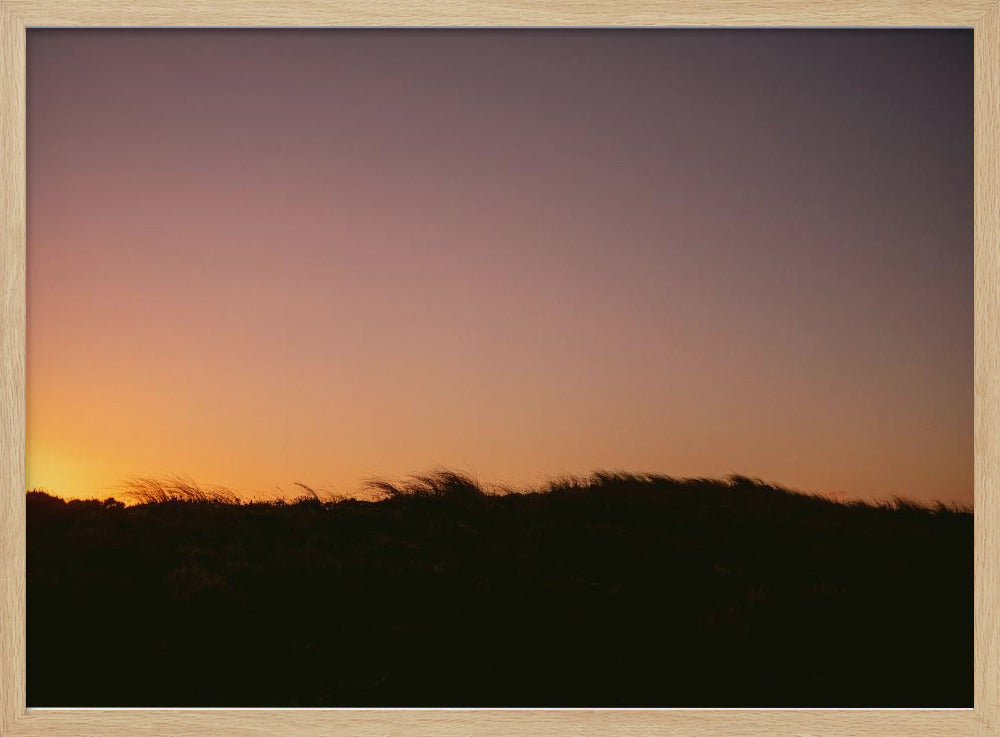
x: 261, y: 257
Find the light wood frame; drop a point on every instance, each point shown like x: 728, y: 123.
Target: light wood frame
x: 981, y: 15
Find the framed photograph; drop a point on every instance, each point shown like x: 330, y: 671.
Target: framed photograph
x: 474, y: 368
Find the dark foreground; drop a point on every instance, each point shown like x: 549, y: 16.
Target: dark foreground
x: 615, y: 591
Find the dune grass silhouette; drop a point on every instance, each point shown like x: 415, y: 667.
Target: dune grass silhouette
x: 613, y: 590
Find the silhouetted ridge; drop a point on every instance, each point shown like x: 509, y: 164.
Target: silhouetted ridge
x: 612, y: 590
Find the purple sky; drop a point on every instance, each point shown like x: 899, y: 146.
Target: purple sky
x: 259, y: 257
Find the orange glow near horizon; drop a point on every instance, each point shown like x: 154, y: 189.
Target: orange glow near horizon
x: 261, y: 258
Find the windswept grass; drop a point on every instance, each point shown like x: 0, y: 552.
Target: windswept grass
x: 175, y: 489
x: 447, y: 484
x: 615, y: 589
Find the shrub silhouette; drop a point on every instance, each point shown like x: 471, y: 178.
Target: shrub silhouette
x: 613, y: 590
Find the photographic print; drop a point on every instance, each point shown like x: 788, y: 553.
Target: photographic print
x: 499, y: 368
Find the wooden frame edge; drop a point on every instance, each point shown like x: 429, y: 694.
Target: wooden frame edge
x: 17, y: 15
x: 987, y: 367
x: 489, y: 723
x: 506, y: 13
x: 12, y: 368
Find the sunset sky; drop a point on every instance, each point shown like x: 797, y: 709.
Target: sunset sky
x: 262, y: 257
